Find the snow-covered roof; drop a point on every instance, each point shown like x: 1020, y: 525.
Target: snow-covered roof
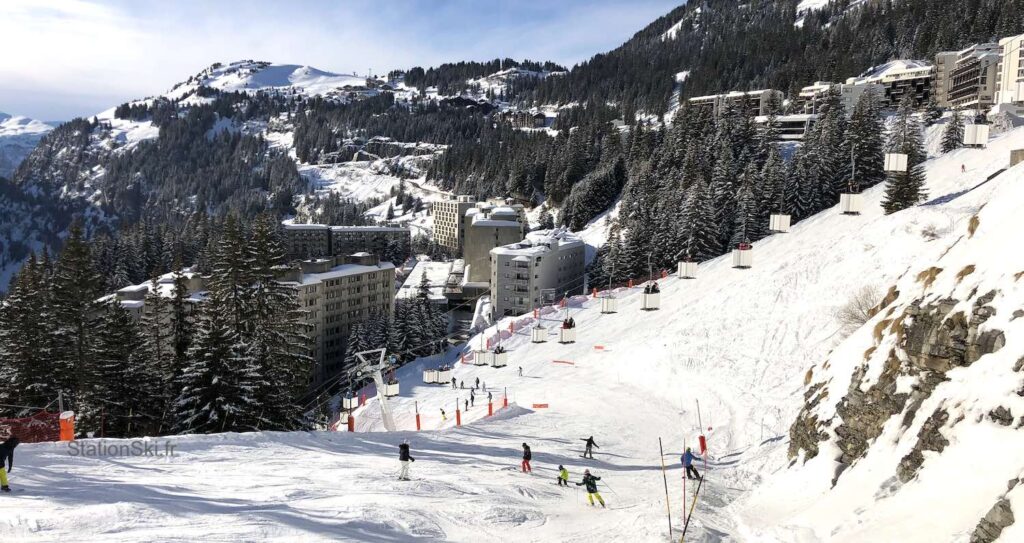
x: 436, y: 274
x: 893, y: 70
x: 540, y: 242
x: 730, y: 94
x: 345, y: 270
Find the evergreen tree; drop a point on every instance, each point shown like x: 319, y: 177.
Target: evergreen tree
x: 906, y: 189
x: 953, y: 134
x: 865, y: 138
x: 157, y: 350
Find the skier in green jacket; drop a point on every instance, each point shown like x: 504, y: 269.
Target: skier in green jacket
x: 563, y: 476
x: 591, y: 482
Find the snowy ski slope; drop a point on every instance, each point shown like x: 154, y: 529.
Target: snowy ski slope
x: 739, y: 341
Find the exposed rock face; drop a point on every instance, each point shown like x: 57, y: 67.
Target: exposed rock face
x: 928, y: 439
x: 932, y: 339
x: 991, y: 526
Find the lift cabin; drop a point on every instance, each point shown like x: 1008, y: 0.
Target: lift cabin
x: 743, y: 256
x: 430, y: 377
x: 482, y: 358
x: 779, y: 222
x: 499, y: 358
x: 976, y: 135
x: 444, y: 376
x: 349, y: 403
x: 651, y: 298
x: 538, y: 335
x: 566, y: 334
x: 687, y: 270
x: 391, y: 389
x: 609, y: 304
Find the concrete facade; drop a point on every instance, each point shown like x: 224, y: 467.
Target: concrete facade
x: 488, y: 227
x: 972, y: 79
x: 811, y: 97
x: 303, y: 241
x: 1010, y: 80
x: 449, y: 222
x: 752, y: 103
x: 552, y: 260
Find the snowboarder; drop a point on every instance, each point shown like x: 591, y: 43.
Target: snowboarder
x: 7, y: 459
x: 589, y: 451
x: 591, y: 482
x: 688, y: 458
x: 563, y: 476
x: 527, y: 456
x: 443, y: 416
x: 453, y: 383
x: 404, y: 458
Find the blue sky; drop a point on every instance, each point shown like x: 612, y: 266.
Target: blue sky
x: 64, y: 58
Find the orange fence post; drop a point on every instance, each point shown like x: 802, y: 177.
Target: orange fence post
x: 417, y: 405
x: 67, y: 426
x: 536, y: 313
x: 458, y: 417
x: 351, y: 423
x: 630, y: 283
x: 362, y: 399
x: 490, y: 409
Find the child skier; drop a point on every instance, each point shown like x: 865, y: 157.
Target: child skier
x: 7, y: 458
x: 589, y: 451
x: 688, y: 458
x: 563, y: 476
x: 527, y: 456
x: 404, y: 458
x: 591, y: 482
x: 443, y: 416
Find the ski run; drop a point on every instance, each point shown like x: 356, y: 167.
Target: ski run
x: 739, y: 342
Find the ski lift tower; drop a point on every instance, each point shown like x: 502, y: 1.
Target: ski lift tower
x: 381, y: 363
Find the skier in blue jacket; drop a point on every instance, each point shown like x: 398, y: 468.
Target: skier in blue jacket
x: 688, y: 458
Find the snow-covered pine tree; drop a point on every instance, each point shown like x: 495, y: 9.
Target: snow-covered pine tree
x: 701, y: 226
x: 749, y: 225
x: 181, y: 326
x: 773, y: 182
x: 27, y: 370
x: 953, y: 134
x: 278, y: 343
x: 866, y: 137
x: 723, y: 190
x: 157, y: 350
x: 798, y: 186
x: 216, y: 393
x: 906, y: 189
x: 75, y: 289
x: 123, y: 397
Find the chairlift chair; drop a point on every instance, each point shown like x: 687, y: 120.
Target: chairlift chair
x: 743, y: 256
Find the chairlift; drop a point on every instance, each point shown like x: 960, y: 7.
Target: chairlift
x: 609, y: 305
x: 430, y: 377
x: 349, y: 403
x: 538, y: 335
x: 499, y: 359
x: 687, y: 270
x: 896, y: 162
x: 779, y: 222
x: 976, y: 135
x: 483, y: 358
x: 566, y: 335
x: 743, y: 256
x: 444, y: 376
x: 851, y: 203
x: 651, y: 298
x: 391, y: 389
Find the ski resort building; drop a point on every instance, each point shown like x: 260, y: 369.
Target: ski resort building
x: 1010, y: 81
x: 898, y: 78
x: 812, y: 96
x: 789, y: 127
x: 133, y: 297
x: 488, y: 227
x: 303, y: 241
x: 336, y: 293
x: 449, y: 226
x: 427, y: 279
x: 971, y: 80
x: 754, y: 103
x: 547, y: 264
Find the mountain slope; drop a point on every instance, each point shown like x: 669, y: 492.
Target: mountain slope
x: 18, y: 136
x: 737, y: 341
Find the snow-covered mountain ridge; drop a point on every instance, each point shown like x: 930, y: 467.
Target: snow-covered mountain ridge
x: 18, y: 136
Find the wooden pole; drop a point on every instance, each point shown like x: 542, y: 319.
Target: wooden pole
x: 700, y: 483
x: 664, y: 476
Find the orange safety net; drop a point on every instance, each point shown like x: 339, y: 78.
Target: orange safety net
x: 42, y: 426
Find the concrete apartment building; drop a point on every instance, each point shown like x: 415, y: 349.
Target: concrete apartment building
x: 899, y: 78
x: 1010, y: 81
x: 971, y: 81
x: 753, y: 103
x: 303, y: 241
x: 488, y: 227
x: 550, y: 261
x: 944, y: 62
x: 811, y: 97
x: 789, y: 127
x: 336, y: 293
x: 133, y: 297
x: 449, y: 221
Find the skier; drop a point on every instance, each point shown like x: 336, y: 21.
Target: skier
x: 467, y: 405
x: 453, y: 383
x: 472, y: 398
x: 477, y: 385
x: 520, y: 371
x: 404, y: 458
x: 462, y: 385
x: 490, y: 399
x: 688, y: 458
x: 589, y: 451
x: 563, y: 476
x: 527, y: 456
x: 963, y: 169
x: 591, y: 482
x: 483, y: 386
x: 7, y: 458
x: 443, y: 416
